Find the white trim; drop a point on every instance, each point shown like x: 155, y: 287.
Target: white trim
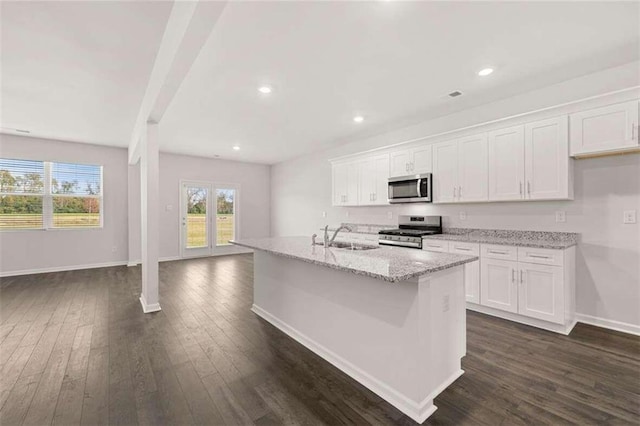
x: 485, y: 123
x: 147, y: 308
x: 623, y: 327
x: 61, y: 268
x: 418, y: 411
x: 545, y: 325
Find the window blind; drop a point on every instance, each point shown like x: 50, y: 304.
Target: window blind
x: 44, y: 195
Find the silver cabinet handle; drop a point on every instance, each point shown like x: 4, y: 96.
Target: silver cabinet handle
x: 513, y: 275
x: 406, y: 167
x: 537, y: 256
x: 454, y: 192
x: 520, y: 187
x: 459, y: 191
x: 497, y: 252
x: 462, y: 248
x: 413, y: 166
x: 521, y: 276
x: 634, y: 128
x: 529, y: 187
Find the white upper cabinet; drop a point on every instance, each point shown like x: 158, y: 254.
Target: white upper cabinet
x: 506, y: 164
x: 606, y: 129
x: 410, y: 161
x: 460, y: 170
x: 345, y: 183
x: 547, y: 172
x: 472, y: 168
x: 373, y: 180
x: 445, y: 172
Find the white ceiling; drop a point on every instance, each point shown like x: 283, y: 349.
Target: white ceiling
x: 70, y: 75
x: 77, y: 70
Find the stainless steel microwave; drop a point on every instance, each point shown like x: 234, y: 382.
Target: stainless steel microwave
x: 410, y: 189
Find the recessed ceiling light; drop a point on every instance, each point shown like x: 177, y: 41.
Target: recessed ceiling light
x: 236, y: 148
x: 358, y: 119
x: 265, y: 90
x: 484, y: 72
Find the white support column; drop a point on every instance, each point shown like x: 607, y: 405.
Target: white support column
x: 133, y: 207
x: 149, y: 180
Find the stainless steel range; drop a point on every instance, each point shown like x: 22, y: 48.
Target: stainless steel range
x: 410, y: 231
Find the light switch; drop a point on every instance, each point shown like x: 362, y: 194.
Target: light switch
x: 324, y: 214
x: 630, y: 217
x: 463, y: 215
x: 561, y: 216
x: 169, y: 207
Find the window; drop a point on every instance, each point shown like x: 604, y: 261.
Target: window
x: 46, y: 195
x: 225, y: 216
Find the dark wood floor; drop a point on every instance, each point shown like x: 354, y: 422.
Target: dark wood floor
x: 76, y: 348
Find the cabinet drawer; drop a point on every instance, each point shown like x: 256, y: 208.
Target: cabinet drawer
x: 470, y: 249
x: 541, y: 256
x: 435, y: 245
x: 491, y: 251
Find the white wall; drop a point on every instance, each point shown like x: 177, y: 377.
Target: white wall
x: 33, y: 251
x: 65, y: 248
x: 608, y: 259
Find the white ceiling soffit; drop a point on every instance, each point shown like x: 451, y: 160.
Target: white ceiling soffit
x: 391, y: 62
x: 77, y: 70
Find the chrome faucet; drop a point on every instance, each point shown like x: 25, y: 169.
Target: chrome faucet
x: 328, y: 241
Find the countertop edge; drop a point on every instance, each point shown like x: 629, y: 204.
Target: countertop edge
x: 359, y: 272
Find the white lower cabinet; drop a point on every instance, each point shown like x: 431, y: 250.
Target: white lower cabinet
x: 541, y: 292
x: 534, y: 286
x: 471, y: 270
x: 499, y: 288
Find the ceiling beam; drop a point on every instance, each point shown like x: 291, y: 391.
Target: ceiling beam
x: 188, y: 28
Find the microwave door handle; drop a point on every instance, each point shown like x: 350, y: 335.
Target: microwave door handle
x: 418, y: 188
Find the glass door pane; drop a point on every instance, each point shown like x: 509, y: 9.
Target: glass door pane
x: 196, y: 219
x: 225, y: 216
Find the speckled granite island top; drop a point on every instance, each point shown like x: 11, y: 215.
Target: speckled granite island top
x: 536, y: 239
x: 392, y: 264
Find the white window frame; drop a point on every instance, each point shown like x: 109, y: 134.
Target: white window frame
x: 47, y: 200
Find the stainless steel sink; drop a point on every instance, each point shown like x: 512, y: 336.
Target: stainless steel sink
x: 351, y: 246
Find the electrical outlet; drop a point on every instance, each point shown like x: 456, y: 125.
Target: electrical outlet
x: 347, y: 213
x: 389, y: 215
x: 463, y: 215
x: 169, y: 207
x: 445, y: 303
x: 324, y: 214
x: 561, y: 216
x: 630, y: 216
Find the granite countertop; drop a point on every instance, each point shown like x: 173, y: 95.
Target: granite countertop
x: 537, y: 239
x: 385, y: 263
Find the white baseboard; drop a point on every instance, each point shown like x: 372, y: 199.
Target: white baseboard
x: 418, y: 411
x: 610, y: 324
x: 61, y: 268
x: 545, y: 325
x: 148, y: 308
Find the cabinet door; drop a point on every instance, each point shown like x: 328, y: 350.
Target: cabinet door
x: 506, y: 164
x: 366, y: 181
x: 473, y: 173
x: 352, y: 183
x: 498, y: 286
x: 605, y: 129
x: 547, y: 159
x: 422, y: 161
x: 471, y: 270
x: 380, y: 186
x: 399, y: 163
x: 541, y: 293
x: 339, y: 184
x: 445, y: 172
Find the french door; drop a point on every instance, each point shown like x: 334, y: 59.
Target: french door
x: 208, y: 218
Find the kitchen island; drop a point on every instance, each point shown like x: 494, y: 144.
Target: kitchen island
x: 391, y: 318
